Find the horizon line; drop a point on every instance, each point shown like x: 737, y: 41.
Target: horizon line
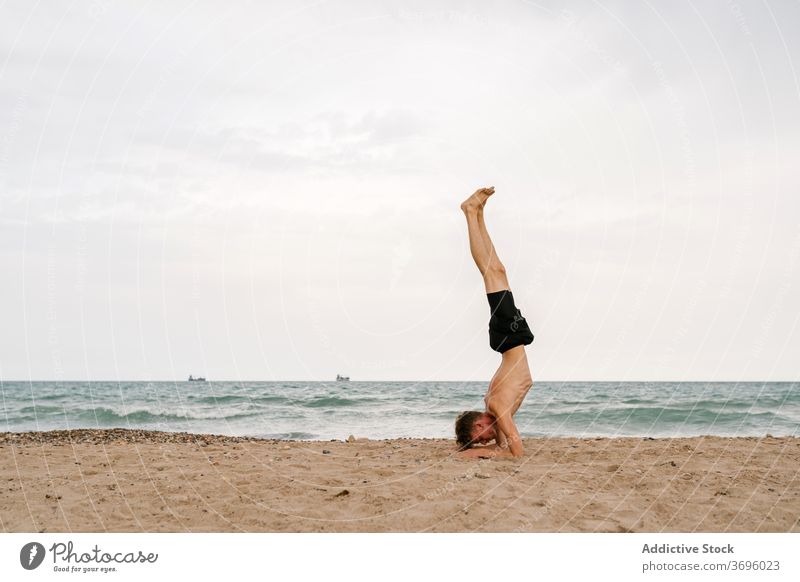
x: 379, y: 380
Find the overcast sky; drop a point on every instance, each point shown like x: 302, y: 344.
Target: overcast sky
x: 272, y: 192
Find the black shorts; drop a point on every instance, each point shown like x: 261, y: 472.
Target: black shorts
x: 507, y: 328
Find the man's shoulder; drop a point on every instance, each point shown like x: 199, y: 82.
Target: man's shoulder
x: 498, y: 403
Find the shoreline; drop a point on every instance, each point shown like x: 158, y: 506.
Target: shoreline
x: 144, y: 480
x: 144, y: 435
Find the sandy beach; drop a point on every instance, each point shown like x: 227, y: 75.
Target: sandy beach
x: 145, y: 481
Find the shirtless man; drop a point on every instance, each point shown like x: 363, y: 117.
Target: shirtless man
x: 508, y: 334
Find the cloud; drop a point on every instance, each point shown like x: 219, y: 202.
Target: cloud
x: 270, y: 141
x: 329, y: 141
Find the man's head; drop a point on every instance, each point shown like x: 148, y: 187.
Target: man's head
x: 474, y: 427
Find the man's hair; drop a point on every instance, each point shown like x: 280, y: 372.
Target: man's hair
x: 464, y: 423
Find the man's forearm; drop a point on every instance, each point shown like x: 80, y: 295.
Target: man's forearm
x: 491, y: 452
x: 501, y: 439
x: 503, y: 454
x: 505, y: 424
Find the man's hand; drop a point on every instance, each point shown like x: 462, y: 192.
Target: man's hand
x: 490, y: 452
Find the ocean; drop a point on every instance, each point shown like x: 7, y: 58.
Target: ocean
x: 335, y: 410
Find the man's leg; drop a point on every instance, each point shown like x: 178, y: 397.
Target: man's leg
x: 480, y: 244
x: 485, y: 234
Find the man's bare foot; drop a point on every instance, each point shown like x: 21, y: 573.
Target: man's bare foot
x: 478, y: 199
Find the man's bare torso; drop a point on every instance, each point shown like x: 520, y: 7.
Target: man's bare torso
x: 510, y: 384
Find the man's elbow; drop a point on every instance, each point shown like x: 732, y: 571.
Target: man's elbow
x: 515, y: 447
x: 515, y: 450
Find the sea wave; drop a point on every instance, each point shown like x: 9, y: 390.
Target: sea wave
x: 335, y: 401
x: 40, y: 409
x: 651, y: 415
x: 385, y: 409
x: 147, y: 415
x: 292, y: 436
x: 237, y: 398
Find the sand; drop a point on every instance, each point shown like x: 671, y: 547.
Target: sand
x: 144, y: 481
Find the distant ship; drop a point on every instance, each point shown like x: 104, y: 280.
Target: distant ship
x: 198, y: 379
x: 342, y: 378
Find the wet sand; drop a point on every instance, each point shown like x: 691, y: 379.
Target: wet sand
x: 146, y: 481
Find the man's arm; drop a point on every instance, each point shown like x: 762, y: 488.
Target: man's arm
x: 489, y: 452
x: 478, y: 452
x: 505, y: 423
x: 500, y: 439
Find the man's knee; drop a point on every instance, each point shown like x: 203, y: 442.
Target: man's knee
x: 495, y: 274
x: 495, y: 268
x: 494, y: 278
